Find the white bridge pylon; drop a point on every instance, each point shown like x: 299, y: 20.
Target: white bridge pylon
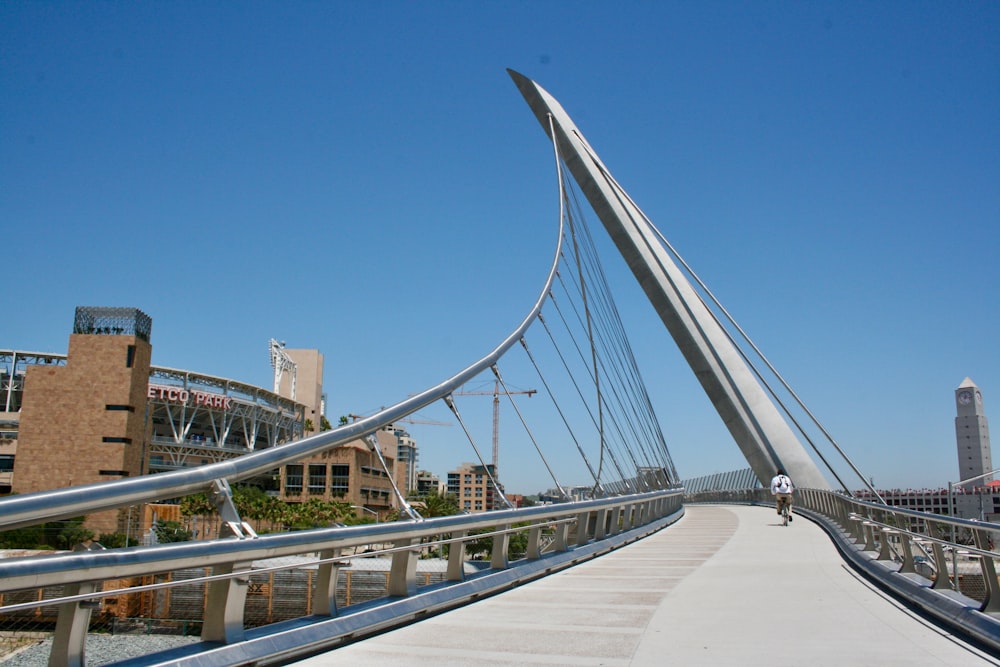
x: 748, y: 412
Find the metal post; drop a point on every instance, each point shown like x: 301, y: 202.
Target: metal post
x: 498, y: 559
x: 456, y: 556
x: 226, y: 601
x: 403, y: 571
x: 953, y: 510
x: 69, y: 642
x: 326, y: 584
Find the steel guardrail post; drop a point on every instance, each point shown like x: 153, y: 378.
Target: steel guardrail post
x: 501, y: 542
x: 615, y: 520
x: 582, y: 523
x: 601, y: 524
x: 456, y: 556
x: 534, y: 551
x: 940, y: 559
x: 325, y: 602
x: 855, y: 527
x: 905, y: 546
x: 885, y: 545
x: 869, y: 536
x: 991, y: 603
x: 403, y: 569
x: 560, y: 538
x: 70, y: 640
x: 225, y: 603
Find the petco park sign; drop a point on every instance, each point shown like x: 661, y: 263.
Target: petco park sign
x: 187, y: 396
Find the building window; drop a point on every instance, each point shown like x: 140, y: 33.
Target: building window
x: 113, y: 473
x: 339, y: 479
x: 117, y: 408
x: 6, y: 463
x: 293, y: 479
x: 317, y: 479
x: 124, y: 441
x: 130, y: 356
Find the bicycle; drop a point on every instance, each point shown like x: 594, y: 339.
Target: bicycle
x: 786, y: 512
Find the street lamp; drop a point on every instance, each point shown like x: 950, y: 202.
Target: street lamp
x: 366, y: 509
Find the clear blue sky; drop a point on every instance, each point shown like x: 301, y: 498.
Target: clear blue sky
x: 363, y: 178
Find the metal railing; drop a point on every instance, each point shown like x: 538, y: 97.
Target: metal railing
x: 74, y: 588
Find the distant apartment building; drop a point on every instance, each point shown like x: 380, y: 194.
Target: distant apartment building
x: 406, y: 458
x: 472, y: 486
x: 429, y: 483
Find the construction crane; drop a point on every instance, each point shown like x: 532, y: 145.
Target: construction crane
x: 496, y: 393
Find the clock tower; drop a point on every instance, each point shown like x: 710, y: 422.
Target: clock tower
x: 972, y: 433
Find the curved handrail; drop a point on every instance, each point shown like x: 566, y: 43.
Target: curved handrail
x: 33, y: 508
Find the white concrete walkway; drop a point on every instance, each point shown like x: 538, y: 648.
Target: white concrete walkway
x: 726, y: 585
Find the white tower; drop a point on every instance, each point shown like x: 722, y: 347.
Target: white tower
x: 972, y: 433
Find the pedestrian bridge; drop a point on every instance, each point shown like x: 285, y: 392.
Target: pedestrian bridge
x: 629, y: 581
x: 633, y: 569
x: 725, y: 585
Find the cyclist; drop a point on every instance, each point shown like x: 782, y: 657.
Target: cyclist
x: 782, y: 489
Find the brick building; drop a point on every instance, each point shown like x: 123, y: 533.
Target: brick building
x: 103, y: 412
x: 351, y: 473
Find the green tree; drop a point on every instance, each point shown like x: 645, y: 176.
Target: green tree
x: 67, y: 534
x: 435, y: 504
x: 116, y: 540
x: 517, y: 543
x: 197, y: 504
x: 171, y: 531
x: 29, y: 537
x: 52, y: 535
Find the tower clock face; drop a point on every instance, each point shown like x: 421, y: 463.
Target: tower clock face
x: 965, y: 397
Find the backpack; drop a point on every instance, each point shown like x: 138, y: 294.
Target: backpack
x: 784, y: 484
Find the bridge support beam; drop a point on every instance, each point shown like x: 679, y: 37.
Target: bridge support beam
x: 758, y: 428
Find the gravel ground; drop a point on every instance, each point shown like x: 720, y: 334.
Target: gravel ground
x: 101, y: 649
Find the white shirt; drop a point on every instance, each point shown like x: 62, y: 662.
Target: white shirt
x: 781, y: 484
